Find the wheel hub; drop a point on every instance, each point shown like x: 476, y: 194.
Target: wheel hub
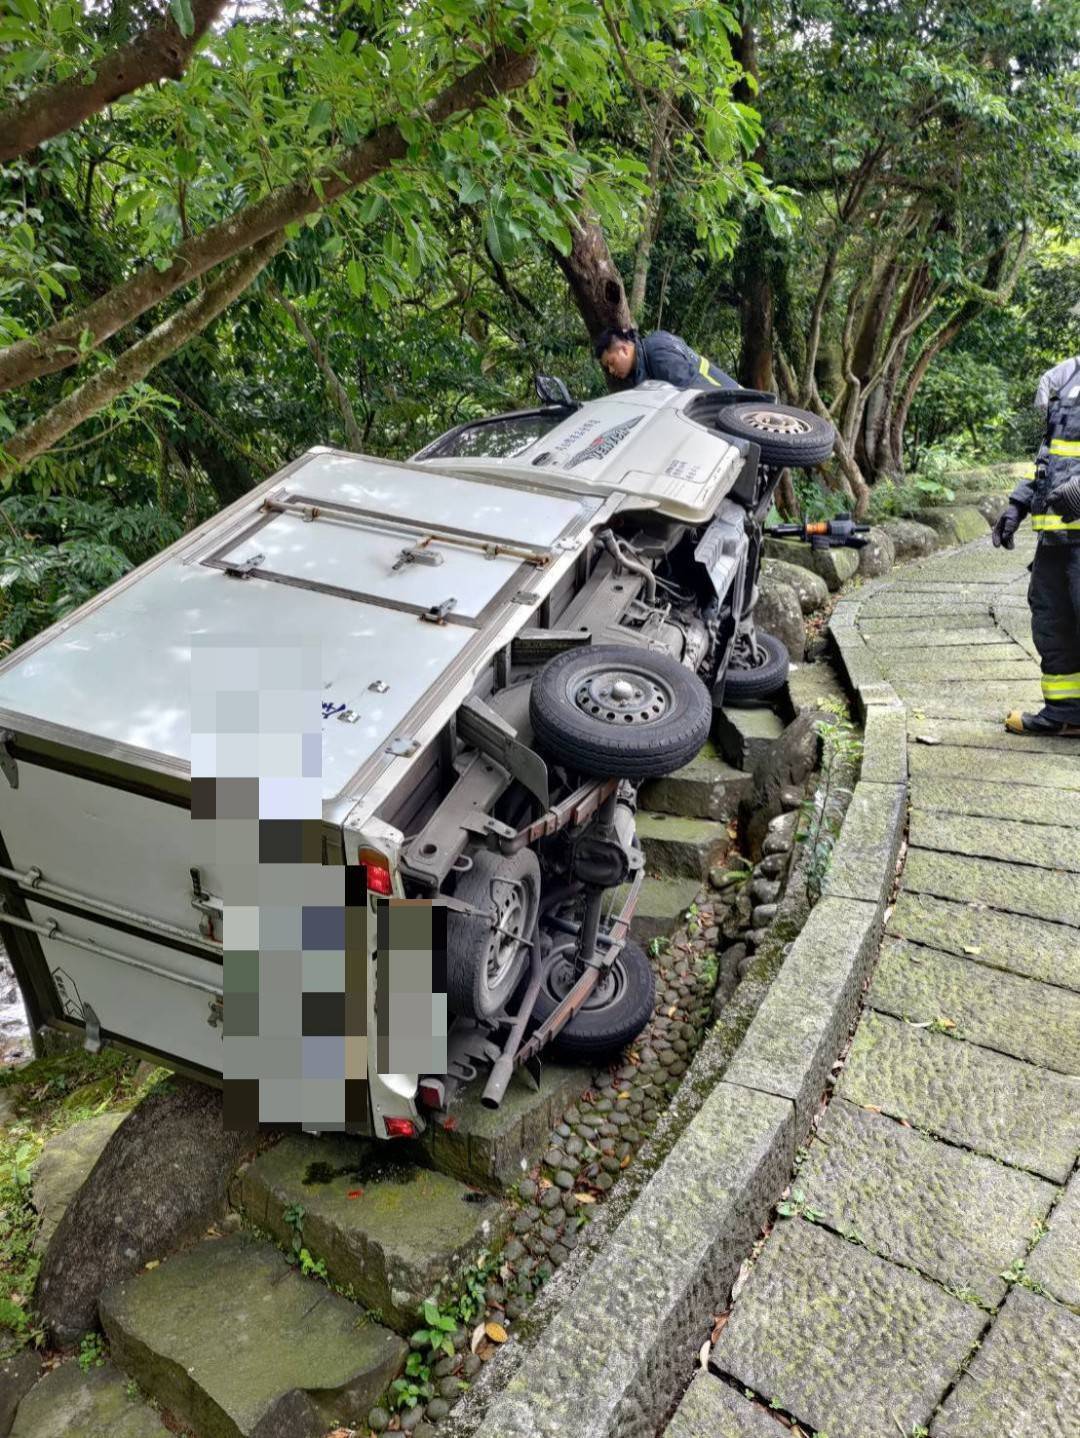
x: 771, y: 421
x: 506, y: 940
x: 565, y: 974
x: 622, y: 697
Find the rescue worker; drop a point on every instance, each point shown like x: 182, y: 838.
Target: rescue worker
x: 634, y: 358
x: 1052, y: 499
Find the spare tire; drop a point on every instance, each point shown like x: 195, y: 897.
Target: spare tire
x: 485, y: 963
x: 786, y: 436
x: 612, y: 1016
x: 619, y: 712
x: 746, y: 686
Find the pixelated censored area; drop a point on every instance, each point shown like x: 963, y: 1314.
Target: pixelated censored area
x: 299, y: 934
x: 411, y: 987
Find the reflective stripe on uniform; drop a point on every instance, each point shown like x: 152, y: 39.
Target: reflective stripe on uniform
x: 1067, y: 448
x: 1061, y: 686
x: 1053, y: 522
x: 703, y: 366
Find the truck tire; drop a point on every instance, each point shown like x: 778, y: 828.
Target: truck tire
x: 745, y: 686
x: 614, y: 1013
x: 619, y: 712
x: 794, y: 438
x: 484, y: 966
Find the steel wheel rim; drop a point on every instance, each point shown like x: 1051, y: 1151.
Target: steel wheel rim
x: 624, y: 698
x: 504, y: 946
x: 609, y: 988
x: 771, y: 421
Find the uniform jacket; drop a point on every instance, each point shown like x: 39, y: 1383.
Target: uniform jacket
x: 1058, y: 398
x: 666, y: 357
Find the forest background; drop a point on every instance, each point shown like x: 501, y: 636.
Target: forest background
x: 229, y: 232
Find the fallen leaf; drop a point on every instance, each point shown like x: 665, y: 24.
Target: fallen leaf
x: 355, y: 1193
x: 743, y: 1275
x: 972, y: 949
x: 584, y: 1198
x: 623, y: 1093
x: 703, y: 1354
x: 477, y: 1337
x: 719, y: 1326
x: 625, y: 1161
x: 496, y: 1332
x: 672, y: 1011
x: 871, y: 1108
x: 945, y: 1023
x: 449, y: 1123
x: 926, y: 739
x: 154, y: 1263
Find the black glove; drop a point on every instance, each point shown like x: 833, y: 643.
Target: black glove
x: 1007, y: 525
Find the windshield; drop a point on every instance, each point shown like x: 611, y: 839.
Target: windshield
x: 500, y: 438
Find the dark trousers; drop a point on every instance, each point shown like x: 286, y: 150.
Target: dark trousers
x: 1054, y: 597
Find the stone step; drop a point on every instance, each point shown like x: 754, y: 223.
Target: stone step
x: 495, y: 1147
x: 661, y: 905
x: 743, y: 736
x: 675, y: 847
x: 385, y: 1228
x: 235, y: 1342
x: 706, y: 788
x: 68, y: 1403
x: 63, y: 1168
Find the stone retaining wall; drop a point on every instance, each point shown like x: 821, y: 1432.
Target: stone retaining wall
x: 613, y: 1359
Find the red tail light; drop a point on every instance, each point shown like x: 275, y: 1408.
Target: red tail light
x: 376, y: 869
x: 399, y: 1128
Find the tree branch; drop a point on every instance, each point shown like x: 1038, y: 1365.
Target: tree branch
x: 57, y: 347
x: 338, y: 392
x: 158, y: 53
x: 137, y: 362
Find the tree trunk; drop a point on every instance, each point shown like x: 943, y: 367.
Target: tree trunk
x: 159, y: 53
x: 651, y: 222
x: 338, y: 392
x: 756, y: 298
x: 594, y: 280
x: 137, y: 362
x: 58, y: 347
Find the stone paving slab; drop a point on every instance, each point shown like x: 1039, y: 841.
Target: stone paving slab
x: 494, y: 1147
x: 863, y: 863
x: 898, y: 602
x: 617, y: 1350
x: 884, y: 756
x: 1024, y: 1382
x: 958, y: 1217
x: 964, y: 701
x: 850, y: 1344
x: 68, y: 1403
x: 1055, y: 1260
x: 1014, y: 668
x: 948, y: 761
x: 676, y: 846
x: 792, y: 1044
x: 948, y: 619
x: 981, y: 734
x: 939, y: 638
x: 1047, y: 846
x: 706, y: 788
x: 1020, y: 888
x: 236, y: 1343
x: 1030, y: 947
x: 1022, y: 803
x: 383, y: 1226
x: 1035, y: 1022
x: 711, y: 1409
x: 983, y: 1100
x: 972, y: 568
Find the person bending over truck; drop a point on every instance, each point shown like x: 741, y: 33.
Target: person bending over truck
x: 1052, y: 499
x: 634, y: 358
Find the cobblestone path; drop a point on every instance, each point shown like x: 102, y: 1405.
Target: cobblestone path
x: 929, y: 1279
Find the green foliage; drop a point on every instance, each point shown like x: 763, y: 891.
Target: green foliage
x: 92, y: 1352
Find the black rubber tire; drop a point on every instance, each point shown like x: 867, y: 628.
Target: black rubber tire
x: 468, y: 936
x: 601, y: 747
x: 794, y: 451
x: 609, y: 1027
x: 743, y: 686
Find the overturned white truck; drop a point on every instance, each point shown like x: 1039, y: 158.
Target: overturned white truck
x: 516, y: 626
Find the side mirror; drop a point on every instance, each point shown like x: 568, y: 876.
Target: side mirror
x: 553, y: 391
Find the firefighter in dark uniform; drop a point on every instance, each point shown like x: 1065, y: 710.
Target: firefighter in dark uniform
x: 1052, y: 499
x: 632, y: 358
